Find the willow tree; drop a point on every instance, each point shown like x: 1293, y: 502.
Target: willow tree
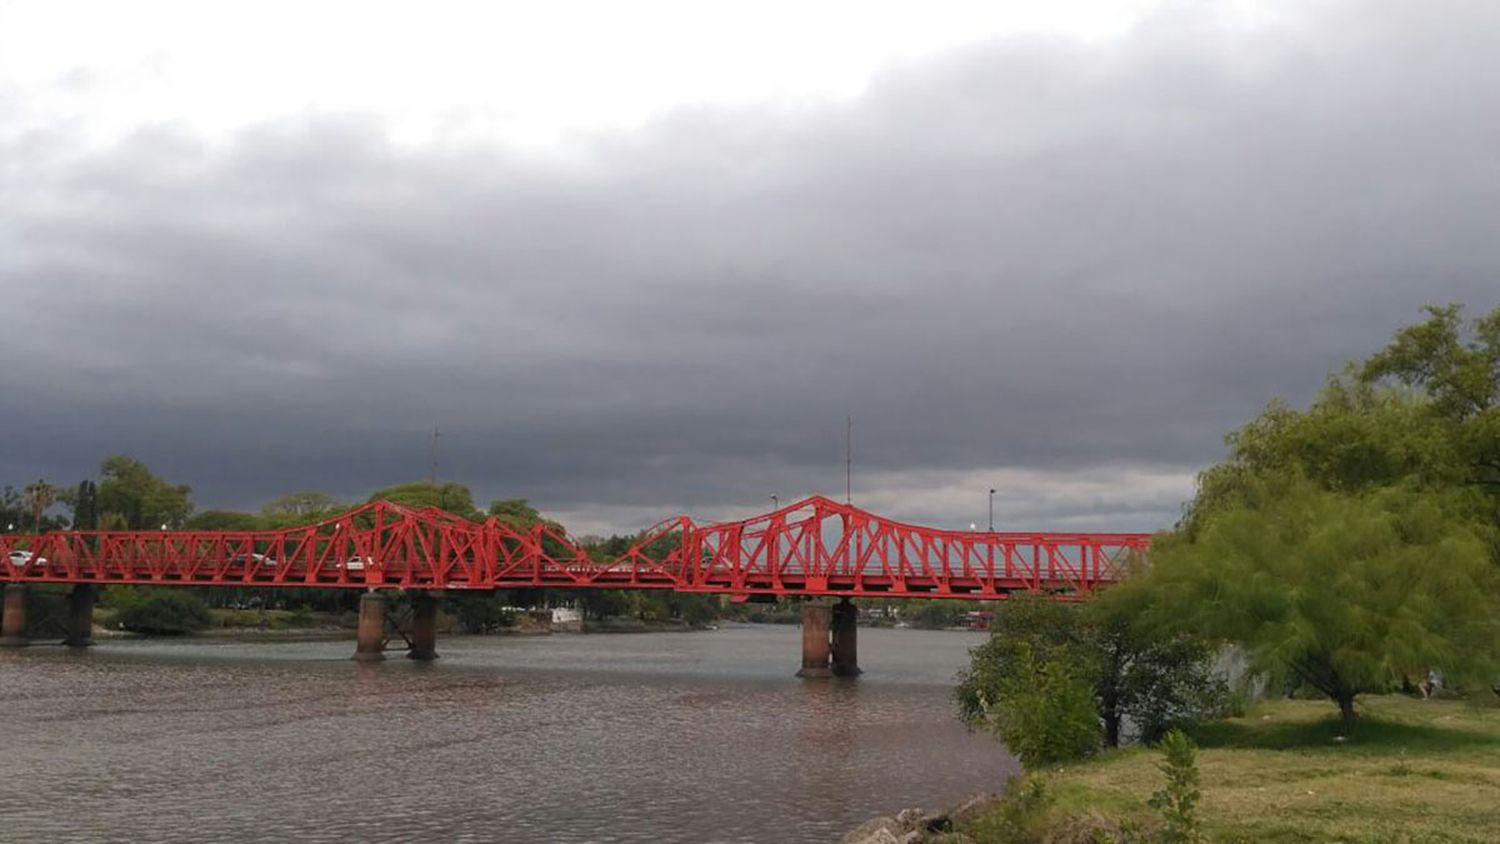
x: 1347, y: 592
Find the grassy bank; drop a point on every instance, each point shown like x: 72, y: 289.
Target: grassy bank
x: 1413, y: 771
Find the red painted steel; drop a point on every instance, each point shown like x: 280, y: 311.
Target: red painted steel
x: 814, y: 547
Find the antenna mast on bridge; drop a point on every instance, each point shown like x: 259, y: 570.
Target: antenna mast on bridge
x: 849, y: 459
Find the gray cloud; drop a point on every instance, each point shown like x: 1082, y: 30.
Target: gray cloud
x: 1030, y: 260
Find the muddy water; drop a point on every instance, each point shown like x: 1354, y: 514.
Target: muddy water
x: 689, y: 737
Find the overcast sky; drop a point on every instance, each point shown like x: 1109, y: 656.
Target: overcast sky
x: 642, y: 258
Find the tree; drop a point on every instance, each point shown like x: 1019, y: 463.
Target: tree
x: 142, y: 500
x: 40, y: 495
x: 1462, y: 375
x: 85, y: 504
x: 171, y: 612
x: 1178, y: 800
x: 1348, y: 593
x: 300, y: 505
x: 455, y: 498
x: 1157, y: 679
x: 516, y: 512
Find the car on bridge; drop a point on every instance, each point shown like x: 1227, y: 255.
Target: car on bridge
x: 21, y: 559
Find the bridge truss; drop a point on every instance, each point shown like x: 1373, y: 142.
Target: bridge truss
x: 816, y: 546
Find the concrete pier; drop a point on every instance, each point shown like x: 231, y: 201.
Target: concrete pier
x: 815, y: 649
x: 423, y: 627
x: 844, y: 626
x: 80, y: 617
x: 13, y: 623
x: 370, y: 636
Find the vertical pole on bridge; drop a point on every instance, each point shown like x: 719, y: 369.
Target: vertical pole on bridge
x: 844, y: 626
x: 423, y: 626
x: 815, y: 649
x: 370, y: 636
x: 13, y: 624
x: 80, y: 617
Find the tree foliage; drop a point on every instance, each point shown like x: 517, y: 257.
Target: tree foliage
x: 1178, y: 799
x: 141, y: 499
x: 1352, y: 544
x: 169, y: 612
x: 1155, y: 678
x: 1043, y: 707
x: 40, y: 496
x: 452, y: 497
x: 1348, y: 593
x: 300, y: 505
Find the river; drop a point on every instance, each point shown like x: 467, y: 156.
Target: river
x: 691, y: 737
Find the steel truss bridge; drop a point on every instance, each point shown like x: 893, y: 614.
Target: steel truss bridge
x: 815, y: 547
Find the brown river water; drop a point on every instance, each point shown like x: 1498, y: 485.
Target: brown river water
x: 690, y: 737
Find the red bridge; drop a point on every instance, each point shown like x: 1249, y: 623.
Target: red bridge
x: 815, y: 547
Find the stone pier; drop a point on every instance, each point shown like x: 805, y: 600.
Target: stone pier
x: 815, y: 649
x: 844, y: 627
x: 80, y: 617
x: 13, y: 623
x: 423, y: 626
x: 370, y: 637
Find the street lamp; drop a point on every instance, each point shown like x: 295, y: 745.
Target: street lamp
x: 992, y: 511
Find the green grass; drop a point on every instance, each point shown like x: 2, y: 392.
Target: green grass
x: 1411, y: 771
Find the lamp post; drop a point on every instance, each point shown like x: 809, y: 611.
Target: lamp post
x: 992, y: 511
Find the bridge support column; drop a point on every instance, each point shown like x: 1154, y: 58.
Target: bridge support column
x: 80, y: 617
x: 844, y: 626
x: 423, y: 627
x: 13, y: 623
x: 370, y: 637
x: 815, y: 650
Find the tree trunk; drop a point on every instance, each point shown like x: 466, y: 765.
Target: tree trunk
x: 1346, y: 709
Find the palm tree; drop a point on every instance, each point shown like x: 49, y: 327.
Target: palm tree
x: 40, y: 496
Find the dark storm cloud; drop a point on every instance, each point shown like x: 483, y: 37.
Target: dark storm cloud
x: 1064, y: 263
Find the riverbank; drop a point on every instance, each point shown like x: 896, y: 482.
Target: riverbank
x: 1413, y: 770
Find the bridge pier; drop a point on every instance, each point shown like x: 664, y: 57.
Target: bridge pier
x: 369, y: 643
x: 423, y: 627
x: 816, y: 617
x: 844, y: 627
x: 80, y: 617
x: 13, y: 623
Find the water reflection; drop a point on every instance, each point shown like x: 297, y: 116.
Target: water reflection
x: 680, y: 737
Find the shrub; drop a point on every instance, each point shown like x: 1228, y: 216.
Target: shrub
x: 1045, y: 709
x: 1021, y: 815
x: 169, y: 613
x: 1178, y: 801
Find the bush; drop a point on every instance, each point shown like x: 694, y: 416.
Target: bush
x: 1021, y: 815
x: 1045, y: 711
x: 169, y: 613
x: 1178, y: 801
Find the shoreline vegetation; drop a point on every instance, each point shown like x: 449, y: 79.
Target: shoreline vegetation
x: 1348, y: 555
x: 1411, y: 770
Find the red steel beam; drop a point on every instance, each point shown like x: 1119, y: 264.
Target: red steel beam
x: 816, y: 546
